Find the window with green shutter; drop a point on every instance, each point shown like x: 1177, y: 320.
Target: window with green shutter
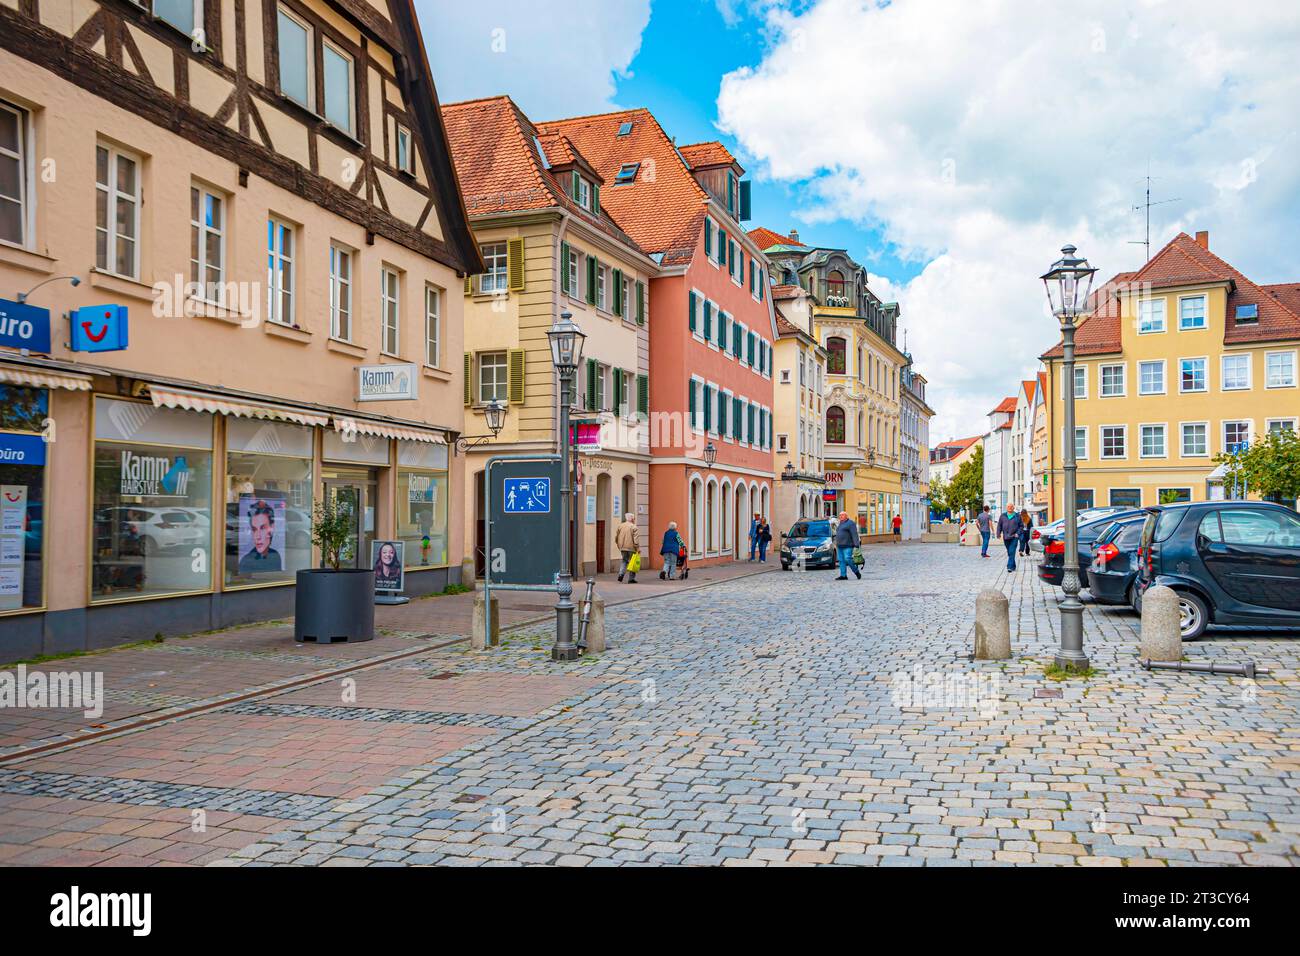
x: 708, y: 320
x: 708, y: 408
x: 722, y: 246
x: 591, y: 385
x: 749, y: 348
x: 618, y: 292
x: 691, y: 319
x: 708, y: 238
x: 592, y: 266
x: 595, y: 198
x: 749, y: 422
x: 722, y: 330
x: 690, y: 402
x: 737, y: 420
x: 640, y: 302
x: 736, y: 334
x: 618, y: 391
x: 564, y: 268
x: 643, y: 394
x: 722, y: 413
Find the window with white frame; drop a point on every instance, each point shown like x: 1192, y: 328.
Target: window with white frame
x: 602, y: 288
x: 492, y: 377
x: 1114, y: 441
x: 1081, y: 442
x: 432, y: 326
x: 1151, y: 377
x: 494, y: 278
x: 279, y: 271
x: 1280, y: 369
x: 1236, y: 372
x: 295, y: 55
x: 336, y: 68
x: 405, y: 161
x: 1195, y: 439
x: 572, y: 266
x: 184, y: 15
x: 340, y: 293
x: 1235, y: 435
x: 117, y: 212
x: 1191, y: 312
x: 208, y: 242
x: 583, y: 194
x: 1080, y: 382
x: 1153, y: 441
x: 1276, y: 426
x: 1112, y: 381
x: 14, y: 186
x: 390, y: 309
x: 602, y: 391
x: 1191, y: 375
x: 1151, y: 316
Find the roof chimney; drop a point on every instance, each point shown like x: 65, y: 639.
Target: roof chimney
x: 794, y: 235
x: 1203, y: 239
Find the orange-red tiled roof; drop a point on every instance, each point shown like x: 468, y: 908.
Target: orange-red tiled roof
x: 1029, y: 386
x: 663, y: 213
x: 1007, y: 404
x: 785, y: 327
x: 1098, y: 332
x: 786, y: 291
x: 707, y: 154
x: 766, y: 238
x: 500, y: 170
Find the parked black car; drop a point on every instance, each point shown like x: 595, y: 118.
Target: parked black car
x: 1112, y: 576
x: 811, y: 541
x: 1231, y: 562
x: 1052, y: 568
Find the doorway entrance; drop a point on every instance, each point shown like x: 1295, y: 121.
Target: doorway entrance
x: 355, y: 490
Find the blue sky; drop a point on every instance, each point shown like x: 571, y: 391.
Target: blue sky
x: 952, y: 147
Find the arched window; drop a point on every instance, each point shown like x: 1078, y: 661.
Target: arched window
x: 694, y: 522
x: 835, y: 283
x: 835, y: 355
x: 710, y: 516
x: 835, y: 425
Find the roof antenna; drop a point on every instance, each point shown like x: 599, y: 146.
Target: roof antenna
x: 1146, y: 243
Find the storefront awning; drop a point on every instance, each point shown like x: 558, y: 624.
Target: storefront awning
x: 386, y: 430
x: 169, y: 397
x: 44, y: 378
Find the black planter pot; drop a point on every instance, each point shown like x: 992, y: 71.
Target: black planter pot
x: 334, y: 605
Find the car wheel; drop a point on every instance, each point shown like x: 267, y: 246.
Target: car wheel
x: 1193, y: 615
x: 1134, y: 598
x: 148, y: 547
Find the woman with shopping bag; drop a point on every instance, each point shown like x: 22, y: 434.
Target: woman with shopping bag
x: 627, y: 539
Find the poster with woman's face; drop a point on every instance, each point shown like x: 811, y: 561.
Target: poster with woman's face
x: 261, y: 533
x: 387, y: 558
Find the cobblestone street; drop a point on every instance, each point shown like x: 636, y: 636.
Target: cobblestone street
x: 757, y: 721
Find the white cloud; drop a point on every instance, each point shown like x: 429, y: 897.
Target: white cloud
x: 553, y: 60
x: 981, y: 137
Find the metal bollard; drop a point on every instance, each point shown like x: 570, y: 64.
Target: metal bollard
x: 586, y: 615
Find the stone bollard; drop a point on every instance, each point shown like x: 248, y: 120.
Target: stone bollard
x: 992, y: 626
x: 1162, y: 638
x: 479, y: 638
x: 596, y: 626
x: 468, y: 579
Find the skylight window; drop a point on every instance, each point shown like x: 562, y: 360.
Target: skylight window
x: 546, y: 163
x: 1248, y: 313
x: 625, y: 129
x: 627, y: 173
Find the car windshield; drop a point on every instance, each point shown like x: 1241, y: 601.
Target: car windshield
x: 811, y: 529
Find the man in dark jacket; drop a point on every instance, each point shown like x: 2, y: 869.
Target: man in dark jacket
x: 1009, y: 525
x: 846, y: 539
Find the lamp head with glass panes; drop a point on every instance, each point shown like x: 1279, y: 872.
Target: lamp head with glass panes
x: 1069, y: 284
x: 566, y: 343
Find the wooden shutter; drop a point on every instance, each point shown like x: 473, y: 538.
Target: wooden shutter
x: 592, y: 266
x: 691, y: 318
x: 595, y: 198
x: 591, y: 385
x: 708, y: 238
x: 469, y: 284
x: 708, y: 320
x: 515, y: 264
x: 762, y: 281
x: 640, y: 302
x: 618, y: 291
x: 643, y: 394
x: 617, y: 375
x: 574, y: 185
x: 737, y: 421
x: 516, y: 376
x: 690, y: 402
x: 469, y: 378
x: 708, y: 408
x: 722, y: 413
x: 744, y: 215
x: 722, y: 245
x: 749, y: 349
x: 564, y: 269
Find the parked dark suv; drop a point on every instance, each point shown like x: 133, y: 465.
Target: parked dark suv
x: 1231, y: 562
x: 1052, y: 568
x: 1112, y: 576
x: 810, y: 541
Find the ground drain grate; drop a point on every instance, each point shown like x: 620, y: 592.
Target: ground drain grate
x: 470, y: 798
x: 1047, y: 692
x: 445, y: 675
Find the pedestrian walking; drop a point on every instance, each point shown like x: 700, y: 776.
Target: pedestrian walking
x: 898, y: 529
x: 672, y: 548
x: 764, y: 535
x: 1026, y: 527
x: 627, y: 538
x: 984, y: 521
x: 1009, y: 525
x: 753, y: 536
x: 847, y: 540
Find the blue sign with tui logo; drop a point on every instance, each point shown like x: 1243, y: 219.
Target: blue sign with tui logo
x: 24, y: 326
x: 99, y: 328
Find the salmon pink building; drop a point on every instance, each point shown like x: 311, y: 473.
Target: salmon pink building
x: 711, y: 327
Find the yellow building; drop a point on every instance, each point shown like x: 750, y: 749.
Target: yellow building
x: 549, y: 246
x: 1178, y: 362
x: 797, y: 408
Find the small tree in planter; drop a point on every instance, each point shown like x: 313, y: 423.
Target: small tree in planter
x: 334, y: 603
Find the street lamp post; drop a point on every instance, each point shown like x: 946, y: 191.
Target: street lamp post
x: 566, y: 354
x: 1069, y: 283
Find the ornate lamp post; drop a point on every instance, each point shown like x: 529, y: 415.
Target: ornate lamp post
x: 494, y: 416
x: 1069, y: 283
x: 566, y: 355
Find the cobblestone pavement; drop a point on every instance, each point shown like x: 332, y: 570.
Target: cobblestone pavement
x: 760, y: 723
x: 775, y: 719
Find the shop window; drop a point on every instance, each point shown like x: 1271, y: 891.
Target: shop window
x: 422, y: 502
x: 22, y: 496
x: 268, y: 501
x: 151, y: 520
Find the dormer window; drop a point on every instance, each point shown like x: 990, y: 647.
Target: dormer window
x: 627, y: 173
x: 585, y: 193
x: 1248, y: 313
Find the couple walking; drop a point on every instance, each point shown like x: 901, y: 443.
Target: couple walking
x: 760, y: 536
x: 1013, y: 530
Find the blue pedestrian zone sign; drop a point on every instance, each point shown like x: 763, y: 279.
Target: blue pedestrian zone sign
x: 526, y: 496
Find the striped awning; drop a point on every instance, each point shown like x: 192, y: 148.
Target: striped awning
x: 388, y: 430
x: 170, y: 397
x: 43, y: 378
